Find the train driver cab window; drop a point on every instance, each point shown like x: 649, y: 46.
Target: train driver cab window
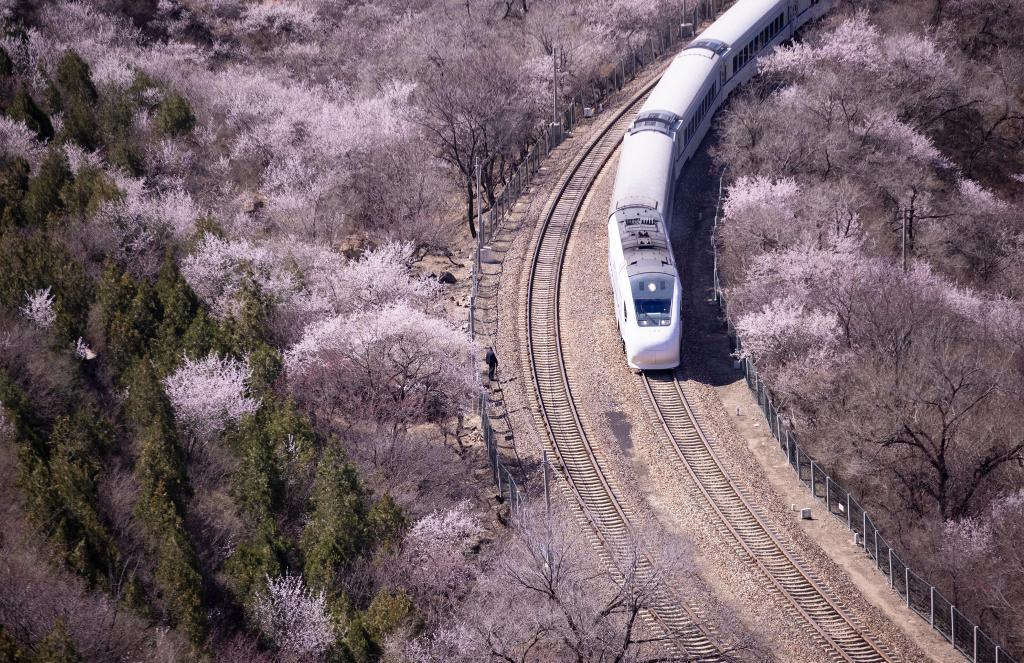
x: 652, y: 294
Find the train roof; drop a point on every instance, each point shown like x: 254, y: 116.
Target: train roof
x: 740, y: 20
x: 645, y: 246
x: 645, y: 167
x: 681, y: 83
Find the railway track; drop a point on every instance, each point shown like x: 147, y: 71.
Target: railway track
x: 838, y: 634
x: 594, y: 495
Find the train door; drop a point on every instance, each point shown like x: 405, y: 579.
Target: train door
x: 793, y: 11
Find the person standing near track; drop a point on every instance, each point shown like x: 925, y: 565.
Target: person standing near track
x: 492, y: 363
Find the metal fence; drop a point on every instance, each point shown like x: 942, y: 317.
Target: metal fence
x: 587, y: 100
x: 920, y: 595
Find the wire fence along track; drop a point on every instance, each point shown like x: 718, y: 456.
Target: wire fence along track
x: 837, y: 633
x: 918, y: 594
x: 567, y: 438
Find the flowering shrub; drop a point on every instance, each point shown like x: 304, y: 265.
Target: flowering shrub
x: 38, y: 308
x: 294, y: 618
x: 209, y: 394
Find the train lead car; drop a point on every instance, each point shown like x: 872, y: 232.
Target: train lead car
x: 663, y: 136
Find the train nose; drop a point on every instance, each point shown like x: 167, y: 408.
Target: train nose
x: 654, y: 349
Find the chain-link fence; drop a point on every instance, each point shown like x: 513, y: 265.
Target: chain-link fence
x: 920, y: 595
x: 588, y: 101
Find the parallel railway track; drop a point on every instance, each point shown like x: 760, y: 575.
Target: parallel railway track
x: 586, y: 480
x: 838, y: 635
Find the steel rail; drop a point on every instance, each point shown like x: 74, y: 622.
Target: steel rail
x: 832, y: 627
x: 567, y: 438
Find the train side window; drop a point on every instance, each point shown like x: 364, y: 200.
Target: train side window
x: 625, y: 316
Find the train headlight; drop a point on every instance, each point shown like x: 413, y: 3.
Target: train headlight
x: 652, y: 286
x: 665, y: 323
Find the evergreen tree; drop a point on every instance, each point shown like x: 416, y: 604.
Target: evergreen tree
x: 31, y: 261
x: 74, y: 94
x: 177, y: 306
x: 163, y: 489
x: 128, y: 312
x: 386, y: 522
x: 42, y: 203
x: 14, y: 178
x: 116, y: 118
x: 77, y: 446
x: 74, y: 79
x: 10, y: 650
x: 174, y: 116
x: 24, y: 109
x: 89, y: 189
x: 176, y: 575
x: 57, y: 646
x: 6, y: 64
x: 336, y: 532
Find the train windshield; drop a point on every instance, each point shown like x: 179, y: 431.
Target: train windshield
x: 652, y: 294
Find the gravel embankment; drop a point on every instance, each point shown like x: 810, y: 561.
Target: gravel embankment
x: 613, y: 407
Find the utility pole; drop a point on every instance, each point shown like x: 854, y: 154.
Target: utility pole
x: 554, y: 85
x: 906, y: 213
x: 479, y: 214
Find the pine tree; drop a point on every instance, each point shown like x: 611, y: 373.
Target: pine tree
x: 163, y: 490
x: 57, y: 646
x: 10, y: 650
x: 386, y: 522
x: 177, y: 306
x: 14, y: 178
x: 74, y: 79
x: 174, y: 116
x: 24, y: 109
x: 30, y: 261
x: 128, y: 312
x: 90, y: 188
x: 77, y: 446
x: 74, y: 93
x: 6, y: 64
x: 42, y: 203
x: 336, y: 532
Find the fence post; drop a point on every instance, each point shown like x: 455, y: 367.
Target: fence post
x: 998, y: 649
x: 547, y: 498
x: 849, y: 515
x: 906, y: 580
x: 890, y: 566
x: 931, y: 612
x: 877, y: 561
x: 828, y: 494
x: 952, y: 626
x: 975, y: 643
x: 865, y: 525
x: 812, y: 480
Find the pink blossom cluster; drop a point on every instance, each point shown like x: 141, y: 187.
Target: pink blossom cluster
x: 210, y: 394
x: 38, y: 308
x: 295, y: 618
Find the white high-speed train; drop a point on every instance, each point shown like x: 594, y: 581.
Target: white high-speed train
x: 664, y: 135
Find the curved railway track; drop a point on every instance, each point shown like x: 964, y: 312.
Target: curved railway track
x: 586, y: 480
x: 839, y: 635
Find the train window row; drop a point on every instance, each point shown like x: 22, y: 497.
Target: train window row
x: 759, y: 41
x: 702, y: 110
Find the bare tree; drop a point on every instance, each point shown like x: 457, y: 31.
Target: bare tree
x: 549, y: 597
